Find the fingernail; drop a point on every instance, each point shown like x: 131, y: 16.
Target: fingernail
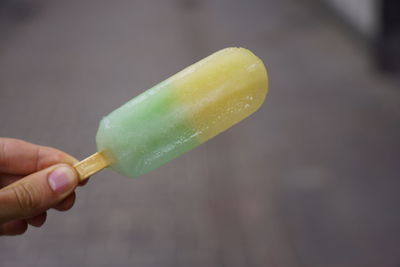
x: 62, y: 179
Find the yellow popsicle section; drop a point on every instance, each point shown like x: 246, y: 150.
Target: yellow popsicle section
x: 220, y: 90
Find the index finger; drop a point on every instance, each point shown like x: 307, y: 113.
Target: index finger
x: 22, y: 158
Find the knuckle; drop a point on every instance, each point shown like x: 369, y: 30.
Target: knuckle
x: 46, y: 156
x: 26, y: 196
x: 59, y: 157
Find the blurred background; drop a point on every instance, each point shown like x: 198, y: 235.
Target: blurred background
x: 311, y: 179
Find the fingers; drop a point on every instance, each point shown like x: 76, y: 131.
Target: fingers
x: 37, y: 220
x: 67, y: 203
x: 19, y: 227
x: 16, y: 227
x: 22, y: 158
x: 37, y: 192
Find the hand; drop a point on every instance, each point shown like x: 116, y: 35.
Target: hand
x: 33, y: 179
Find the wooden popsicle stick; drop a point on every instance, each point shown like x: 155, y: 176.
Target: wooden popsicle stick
x: 91, y: 165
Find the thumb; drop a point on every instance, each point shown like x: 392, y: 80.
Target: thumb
x: 37, y: 192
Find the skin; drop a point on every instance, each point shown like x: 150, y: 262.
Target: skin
x: 25, y: 193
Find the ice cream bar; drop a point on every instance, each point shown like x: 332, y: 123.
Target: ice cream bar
x: 179, y: 113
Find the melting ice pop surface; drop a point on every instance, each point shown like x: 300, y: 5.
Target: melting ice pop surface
x: 183, y: 111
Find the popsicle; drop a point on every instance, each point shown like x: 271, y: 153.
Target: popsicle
x: 179, y: 113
